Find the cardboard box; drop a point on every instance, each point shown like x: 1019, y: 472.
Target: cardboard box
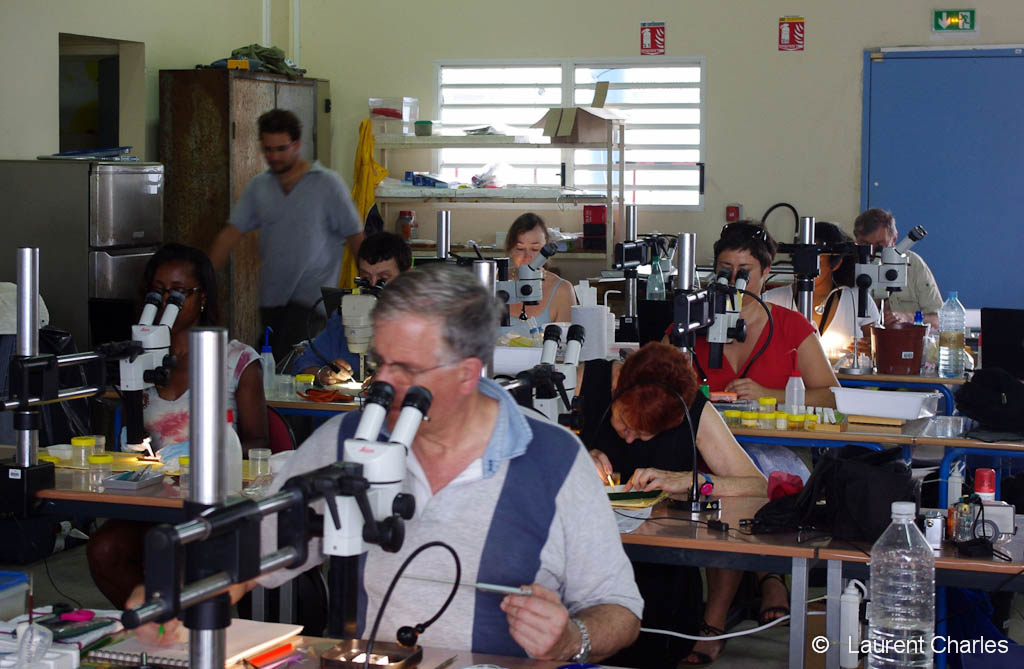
x: 576, y: 125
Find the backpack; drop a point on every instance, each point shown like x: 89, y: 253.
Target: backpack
x: 272, y: 58
x: 849, y: 495
x: 994, y: 398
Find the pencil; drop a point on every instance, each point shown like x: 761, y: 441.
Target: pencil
x: 486, y: 587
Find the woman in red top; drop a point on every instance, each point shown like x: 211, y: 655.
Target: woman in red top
x: 747, y: 245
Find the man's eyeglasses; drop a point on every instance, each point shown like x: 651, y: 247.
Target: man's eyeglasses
x: 400, y: 369
x: 748, y: 230
x: 175, y: 289
x: 278, y: 149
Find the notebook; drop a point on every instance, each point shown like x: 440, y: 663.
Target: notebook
x: 244, y: 639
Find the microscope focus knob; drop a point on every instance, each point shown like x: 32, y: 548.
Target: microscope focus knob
x: 404, y: 505
x: 392, y: 534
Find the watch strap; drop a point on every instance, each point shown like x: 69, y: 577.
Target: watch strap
x: 583, y: 654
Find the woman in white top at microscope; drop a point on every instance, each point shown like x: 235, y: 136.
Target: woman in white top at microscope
x: 835, y: 298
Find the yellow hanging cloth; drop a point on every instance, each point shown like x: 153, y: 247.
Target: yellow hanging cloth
x: 367, y: 173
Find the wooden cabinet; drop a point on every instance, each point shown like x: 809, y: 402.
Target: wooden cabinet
x: 209, y: 144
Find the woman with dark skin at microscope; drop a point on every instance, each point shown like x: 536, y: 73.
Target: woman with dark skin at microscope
x: 115, y: 550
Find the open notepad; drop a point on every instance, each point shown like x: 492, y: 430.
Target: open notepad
x: 244, y: 639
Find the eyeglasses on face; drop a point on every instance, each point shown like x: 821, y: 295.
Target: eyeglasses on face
x: 277, y: 149
x: 175, y: 289
x: 402, y: 370
x: 741, y: 229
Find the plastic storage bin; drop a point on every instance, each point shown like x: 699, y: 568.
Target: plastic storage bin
x: 886, y: 404
x: 13, y: 591
x: 394, y: 116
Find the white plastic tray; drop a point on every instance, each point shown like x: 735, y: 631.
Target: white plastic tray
x: 886, y: 403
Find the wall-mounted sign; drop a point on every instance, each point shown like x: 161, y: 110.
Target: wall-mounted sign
x: 791, y: 33
x: 953, y: 20
x: 652, y: 38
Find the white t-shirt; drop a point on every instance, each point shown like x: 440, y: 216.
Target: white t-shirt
x: 167, y: 422
x: 839, y: 333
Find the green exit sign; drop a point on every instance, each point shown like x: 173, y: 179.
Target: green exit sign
x: 952, y: 20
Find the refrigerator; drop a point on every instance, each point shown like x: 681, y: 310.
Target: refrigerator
x: 96, y: 224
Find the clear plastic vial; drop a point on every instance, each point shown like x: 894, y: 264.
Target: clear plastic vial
x: 766, y: 404
x: 766, y: 420
x: 749, y: 419
x: 81, y: 449
x: 732, y: 417
x: 101, y: 467
x: 901, y: 623
x: 781, y: 420
x: 184, y: 475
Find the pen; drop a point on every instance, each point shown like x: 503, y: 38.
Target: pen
x: 486, y: 587
x: 447, y: 662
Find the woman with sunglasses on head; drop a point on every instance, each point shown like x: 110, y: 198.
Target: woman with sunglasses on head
x: 640, y: 419
x: 752, y: 373
x: 526, y: 237
x: 835, y: 298
x: 115, y: 550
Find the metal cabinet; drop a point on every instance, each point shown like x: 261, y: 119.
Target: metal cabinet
x: 209, y: 144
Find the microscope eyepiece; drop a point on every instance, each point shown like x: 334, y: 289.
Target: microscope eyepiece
x: 380, y: 393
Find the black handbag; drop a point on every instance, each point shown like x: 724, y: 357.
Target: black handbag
x: 994, y: 398
x: 849, y: 496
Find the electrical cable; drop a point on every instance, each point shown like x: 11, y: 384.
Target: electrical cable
x: 788, y: 206
x: 394, y: 581
x: 46, y: 564
x: 767, y: 340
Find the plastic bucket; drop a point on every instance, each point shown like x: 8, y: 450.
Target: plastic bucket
x: 898, y: 349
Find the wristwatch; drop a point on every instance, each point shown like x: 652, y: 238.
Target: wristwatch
x: 583, y: 654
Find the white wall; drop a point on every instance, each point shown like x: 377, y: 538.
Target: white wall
x: 781, y: 126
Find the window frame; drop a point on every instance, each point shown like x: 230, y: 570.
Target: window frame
x: 568, y: 91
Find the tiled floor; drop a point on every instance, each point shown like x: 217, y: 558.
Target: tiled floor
x: 71, y: 580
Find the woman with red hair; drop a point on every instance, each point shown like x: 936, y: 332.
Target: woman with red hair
x: 652, y: 398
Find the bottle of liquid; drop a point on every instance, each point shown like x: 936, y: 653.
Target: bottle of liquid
x: 406, y: 224
x: 794, y: 388
x: 232, y: 458
x: 269, y: 365
x: 952, y: 321
x: 656, y: 281
x: 901, y: 620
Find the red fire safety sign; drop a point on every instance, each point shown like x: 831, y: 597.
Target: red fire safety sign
x: 791, y: 33
x: 652, y: 38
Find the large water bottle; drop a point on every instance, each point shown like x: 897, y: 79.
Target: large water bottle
x: 656, y: 281
x: 952, y: 322
x: 901, y: 618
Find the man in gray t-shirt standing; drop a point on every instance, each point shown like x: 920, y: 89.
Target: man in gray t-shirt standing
x: 305, y: 215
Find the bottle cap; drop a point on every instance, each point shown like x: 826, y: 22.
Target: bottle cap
x: 952, y: 295
x: 266, y: 340
x: 903, y: 509
x: 918, y: 317
x: 83, y: 441
x: 728, y: 413
x: 304, y: 378
x: 796, y: 364
x: 984, y: 480
x: 766, y: 400
x: 103, y: 459
x: 406, y: 212
x: 52, y: 459
x: 231, y: 416
x: 183, y: 460
x: 750, y: 415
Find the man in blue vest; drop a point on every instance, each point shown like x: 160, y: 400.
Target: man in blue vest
x: 516, y: 497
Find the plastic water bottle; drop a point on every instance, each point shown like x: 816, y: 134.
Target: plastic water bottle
x: 901, y: 619
x: 656, y: 281
x: 269, y: 365
x: 952, y: 322
x: 232, y: 458
x: 794, y: 388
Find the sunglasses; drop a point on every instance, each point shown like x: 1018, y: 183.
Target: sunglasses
x: 747, y: 230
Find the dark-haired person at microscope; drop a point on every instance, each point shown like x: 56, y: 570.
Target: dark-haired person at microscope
x: 514, y: 496
x: 381, y: 258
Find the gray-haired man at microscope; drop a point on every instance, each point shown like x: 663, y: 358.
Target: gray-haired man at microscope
x: 516, y: 497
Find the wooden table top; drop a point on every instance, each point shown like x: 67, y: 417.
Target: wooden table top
x: 671, y: 528
x: 946, y: 558
x: 901, y: 378
x: 307, y: 405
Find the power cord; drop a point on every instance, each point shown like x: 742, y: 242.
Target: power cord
x: 730, y: 635
x: 46, y: 564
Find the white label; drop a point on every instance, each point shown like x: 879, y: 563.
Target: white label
x: 907, y: 355
x: 14, y: 473
x: 138, y: 234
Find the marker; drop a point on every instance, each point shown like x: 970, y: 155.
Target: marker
x: 486, y: 587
